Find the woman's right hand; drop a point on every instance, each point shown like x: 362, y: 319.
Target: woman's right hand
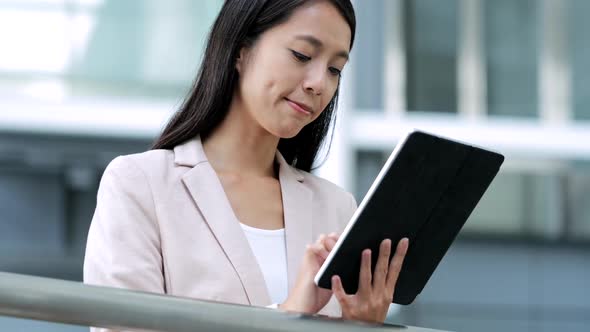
x: 305, y: 296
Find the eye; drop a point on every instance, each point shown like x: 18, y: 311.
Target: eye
x: 335, y: 71
x: 300, y: 57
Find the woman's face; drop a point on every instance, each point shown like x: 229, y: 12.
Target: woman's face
x: 291, y: 73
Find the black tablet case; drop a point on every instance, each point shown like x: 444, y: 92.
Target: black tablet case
x: 427, y: 195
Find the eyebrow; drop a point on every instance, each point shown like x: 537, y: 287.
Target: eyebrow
x: 318, y: 44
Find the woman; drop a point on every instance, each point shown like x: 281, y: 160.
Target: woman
x: 223, y: 208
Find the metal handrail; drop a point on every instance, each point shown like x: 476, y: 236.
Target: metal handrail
x: 76, y: 303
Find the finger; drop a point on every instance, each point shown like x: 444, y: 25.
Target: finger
x: 338, y: 291
x: 319, y: 250
x: 365, y: 274
x: 396, y: 264
x: 334, y: 236
x: 324, y: 237
x: 381, y: 269
x: 310, y: 254
x: 321, y: 238
x: 331, y: 240
x: 329, y: 243
x: 319, y: 242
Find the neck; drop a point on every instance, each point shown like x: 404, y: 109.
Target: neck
x: 240, y: 145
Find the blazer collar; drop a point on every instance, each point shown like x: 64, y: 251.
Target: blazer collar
x: 190, y: 153
x: 207, y: 192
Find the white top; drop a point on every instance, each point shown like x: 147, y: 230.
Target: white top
x: 271, y: 253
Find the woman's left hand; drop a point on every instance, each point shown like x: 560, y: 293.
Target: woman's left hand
x: 375, y: 292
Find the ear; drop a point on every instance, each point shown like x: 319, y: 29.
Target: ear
x: 240, y: 61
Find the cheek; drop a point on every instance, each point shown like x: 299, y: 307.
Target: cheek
x: 270, y: 84
x: 257, y: 87
x: 265, y: 81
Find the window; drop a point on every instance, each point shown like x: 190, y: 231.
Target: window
x: 511, y: 46
x: 25, y: 230
x: 578, y: 26
x: 102, y: 47
x: 367, y: 54
x: 521, y: 202
x: 368, y: 165
x: 431, y: 55
x: 579, y: 199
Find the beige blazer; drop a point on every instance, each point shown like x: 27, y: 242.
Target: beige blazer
x: 163, y: 224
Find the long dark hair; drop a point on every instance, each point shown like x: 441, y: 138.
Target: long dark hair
x: 239, y: 24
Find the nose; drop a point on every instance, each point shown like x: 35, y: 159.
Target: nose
x: 315, y: 81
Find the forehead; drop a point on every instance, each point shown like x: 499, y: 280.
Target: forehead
x: 321, y: 20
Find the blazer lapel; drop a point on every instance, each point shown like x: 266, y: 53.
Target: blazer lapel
x: 207, y: 192
x: 297, y: 203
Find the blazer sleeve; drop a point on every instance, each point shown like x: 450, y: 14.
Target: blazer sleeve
x: 123, y: 247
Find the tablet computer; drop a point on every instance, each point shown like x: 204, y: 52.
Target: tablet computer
x: 425, y: 191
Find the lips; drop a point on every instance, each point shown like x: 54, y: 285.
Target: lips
x: 299, y: 107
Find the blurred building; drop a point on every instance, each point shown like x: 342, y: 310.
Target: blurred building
x: 82, y: 81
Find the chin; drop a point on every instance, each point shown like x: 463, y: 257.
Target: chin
x: 286, y: 132
x: 287, y: 135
